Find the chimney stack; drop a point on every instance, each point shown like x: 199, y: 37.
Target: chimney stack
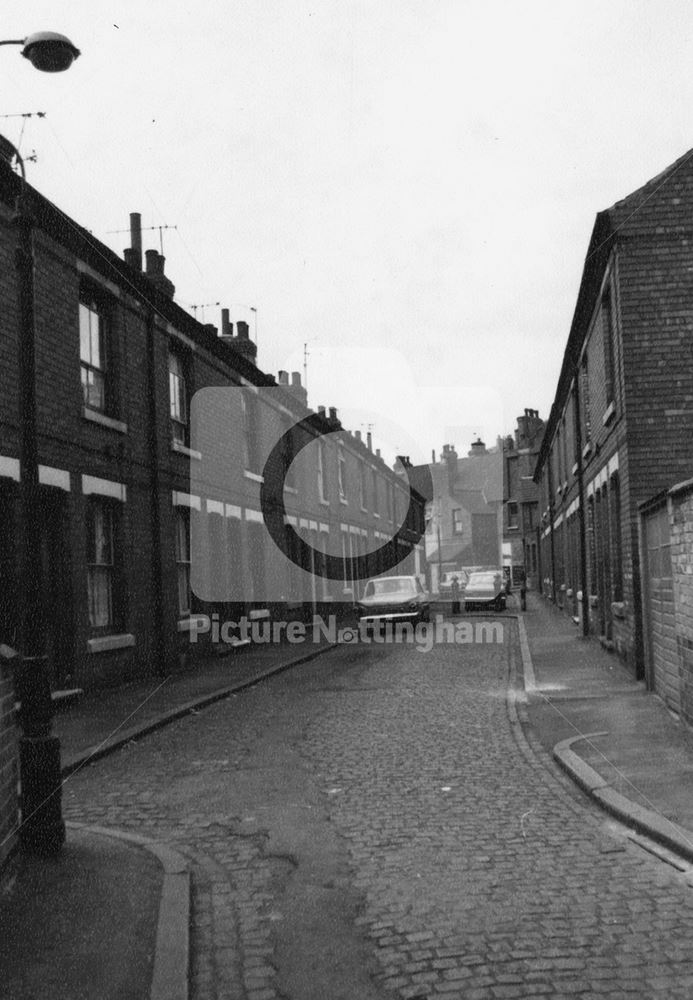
x: 283, y: 378
x: 241, y: 342
x: 297, y: 390
x: 154, y: 262
x: 369, y: 441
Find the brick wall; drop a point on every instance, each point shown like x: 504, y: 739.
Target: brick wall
x: 131, y: 452
x: 8, y: 765
x: 681, y: 528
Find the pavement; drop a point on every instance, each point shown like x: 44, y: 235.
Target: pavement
x: 110, y: 916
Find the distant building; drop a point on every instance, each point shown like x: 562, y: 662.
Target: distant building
x: 463, y: 511
x: 521, y: 499
x: 620, y: 429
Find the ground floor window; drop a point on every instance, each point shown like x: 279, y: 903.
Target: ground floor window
x: 101, y: 563
x: 183, y: 559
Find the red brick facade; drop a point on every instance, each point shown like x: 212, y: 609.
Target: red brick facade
x: 118, y: 365
x: 8, y: 765
x: 621, y: 425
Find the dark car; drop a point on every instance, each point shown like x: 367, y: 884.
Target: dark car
x: 393, y: 599
x: 485, y: 589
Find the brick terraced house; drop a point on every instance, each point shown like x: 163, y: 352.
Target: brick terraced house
x: 620, y: 429
x: 521, y: 499
x: 117, y: 367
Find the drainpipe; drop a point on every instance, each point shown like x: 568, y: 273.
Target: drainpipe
x: 551, y: 539
x: 581, y: 507
x: 42, y: 830
x: 159, y: 630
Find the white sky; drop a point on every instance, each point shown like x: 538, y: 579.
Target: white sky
x: 416, y: 176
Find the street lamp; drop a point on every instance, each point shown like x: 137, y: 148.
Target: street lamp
x: 42, y: 830
x: 46, y: 50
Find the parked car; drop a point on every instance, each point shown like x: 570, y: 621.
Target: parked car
x: 485, y: 589
x: 445, y: 586
x: 393, y: 599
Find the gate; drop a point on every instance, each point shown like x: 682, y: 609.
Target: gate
x: 659, y: 610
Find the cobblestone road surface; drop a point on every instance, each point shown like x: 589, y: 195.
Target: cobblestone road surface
x: 369, y: 826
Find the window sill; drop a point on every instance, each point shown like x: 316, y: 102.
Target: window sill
x: 344, y: 501
x: 192, y: 623
x: 105, y: 643
x: 182, y: 449
x: 290, y: 489
x: 587, y: 450
x: 324, y: 503
x: 376, y: 514
x: 610, y: 414
x: 96, y: 417
x: 573, y: 471
x: 256, y: 477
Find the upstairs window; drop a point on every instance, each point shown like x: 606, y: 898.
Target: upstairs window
x: 362, y: 485
x: 251, y: 431
x: 585, y: 402
x: 609, y: 335
x: 512, y: 514
x: 457, y: 526
x: 322, y: 473
x: 178, y: 398
x: 93, y: 354
x: 288, y: 456
x: 341, y: 475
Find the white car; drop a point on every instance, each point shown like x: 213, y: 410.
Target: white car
x: 485, y: 589
x: 393, y: 599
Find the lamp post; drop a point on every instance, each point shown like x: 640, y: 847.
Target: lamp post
x: 42, y: 830
x: 46, y: 50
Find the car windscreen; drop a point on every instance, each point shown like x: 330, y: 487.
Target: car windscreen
x: 394, y: 586
x: 482, y: 580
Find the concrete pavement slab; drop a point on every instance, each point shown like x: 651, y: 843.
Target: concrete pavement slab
x: 615, y: 738
x: 82, y: 925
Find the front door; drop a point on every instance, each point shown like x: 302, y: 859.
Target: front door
x: 57, y: 588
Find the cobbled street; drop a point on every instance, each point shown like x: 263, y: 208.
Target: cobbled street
x: 374, y: 824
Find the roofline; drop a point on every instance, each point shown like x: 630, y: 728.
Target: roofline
x: 58, y: 226
x: 69, y: 234
x: 601, y: 243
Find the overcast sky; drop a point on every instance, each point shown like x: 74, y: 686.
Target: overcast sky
x: 407, y: 186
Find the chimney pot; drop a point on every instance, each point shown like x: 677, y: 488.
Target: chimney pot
x: 369, y: 441
x: 283, y: 378
x: 226, y: 326
x: 154, y: 262
x: 377, y: 452
x: 321, y: 411
x: 133, y: 255
x: 357, y: 435
x: 296, y: 379
x: 333, y: 414
x: 136, y: 231
x: 242, y: 328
